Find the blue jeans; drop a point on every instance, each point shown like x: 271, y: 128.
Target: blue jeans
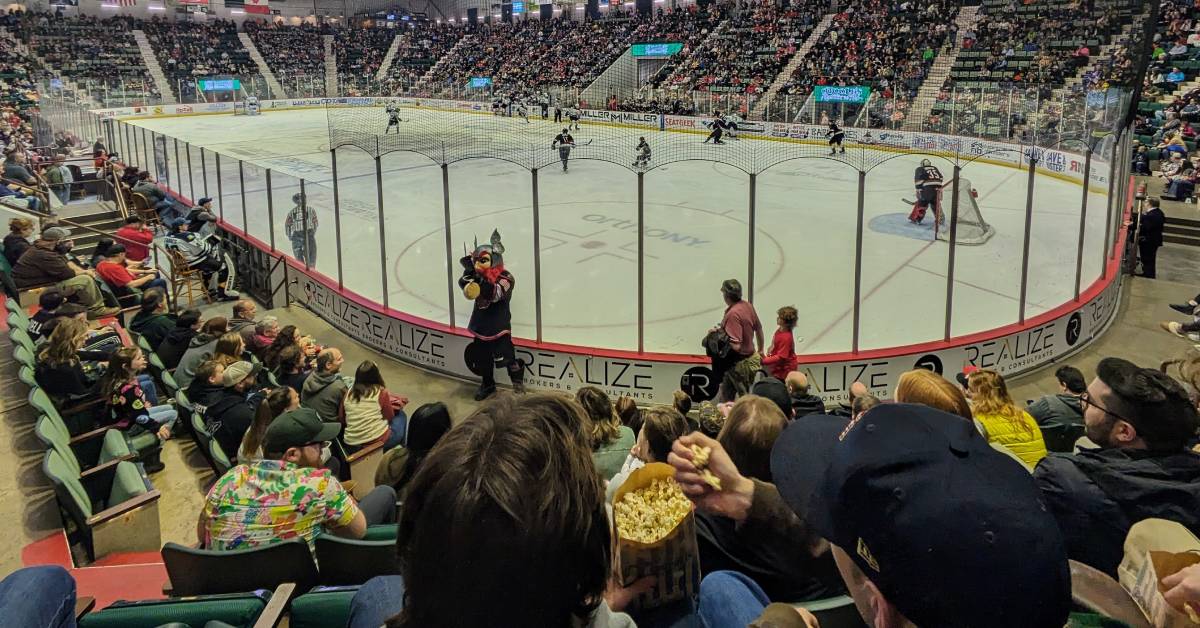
x: 147, y: 384
x: 162, y: 415
x: 167, y: 212
x: 378, y: 599
x: 729, y: 599
x: 38, y: 597
x: 157, y: 282
x: 399, y: 425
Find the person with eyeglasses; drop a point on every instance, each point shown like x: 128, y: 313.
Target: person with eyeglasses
x: 1144, y: 425
x: 287, y: 495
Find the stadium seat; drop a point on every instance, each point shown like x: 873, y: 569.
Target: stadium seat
x: 240, y: 610
x: 23, y: 356
x: 322, y: 607
x: 18, y: 319
x: 352, y: 561
x: 220, y: 461
x: 187, y: 280
x: 113, y: 507
x: 363, y: 464
x: 86, y: 450
x: 206, y: 572
x: 20, y: 337
x: 82, y: 422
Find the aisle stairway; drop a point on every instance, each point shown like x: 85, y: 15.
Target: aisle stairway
x: 450, y: 56
x: 785, y: 74
x: 927, y: 95
x: 331, y: 71
x: 156, y: 73
x: 387, y: 59
x: 277, y: 90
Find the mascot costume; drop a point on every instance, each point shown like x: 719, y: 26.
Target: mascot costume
x: 485, y: 282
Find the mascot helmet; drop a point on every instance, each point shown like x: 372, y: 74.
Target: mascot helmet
x: 489, y: 255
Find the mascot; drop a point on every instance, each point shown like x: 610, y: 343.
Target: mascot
x: 485, y: 282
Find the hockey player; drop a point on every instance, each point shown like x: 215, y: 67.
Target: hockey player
x: 564, y: 143
x: 573, y: 115
x: 928, y: 181
x: 496, y: 106
x: 718, y: 129
x: 544, y: 103
x: 732, y: 122
x: 642, y: 159
x: 251, y: 105
x: 523, y: 111
x: 393, y: 112
x: 558, y: 114
x: 836, y: 135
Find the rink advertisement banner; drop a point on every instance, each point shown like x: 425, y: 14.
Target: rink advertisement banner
x: 650, y: 378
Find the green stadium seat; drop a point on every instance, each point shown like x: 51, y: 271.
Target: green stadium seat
x: 20, y: 338
x: 113, y: 507
x: 240, y: 610
x: 205, y: 572
x: 322, y: 607
x: 352, y: 561
x: 86, y: 450
x: 18, y: 319
x: 220, y: 461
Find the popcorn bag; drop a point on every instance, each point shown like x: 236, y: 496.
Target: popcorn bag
x: 1155, y: 549
x: 673, y: 559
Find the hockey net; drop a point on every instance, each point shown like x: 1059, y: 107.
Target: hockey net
x: 972, y: 229
x: 239, y: 108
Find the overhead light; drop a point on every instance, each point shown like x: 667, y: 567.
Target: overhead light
x: 157, y: 7
x: 109, y: 6
x: 237, y: 11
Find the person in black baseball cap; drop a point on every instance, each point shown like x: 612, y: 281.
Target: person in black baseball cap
x: 928, y: 524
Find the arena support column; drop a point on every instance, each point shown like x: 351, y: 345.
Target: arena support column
x: 750, y: 256
x: 383, y: 264
x: 1087, y: 173
x: 337, y: 216
x: 1025, y: 246
x: 858, y: 252
x: 952, y: 242
x: 641, y: 255
x: 450, y: 261
x: 270, y: 207
x: 537, y: 258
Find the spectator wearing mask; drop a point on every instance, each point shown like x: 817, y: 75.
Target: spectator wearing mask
x: 173, y: 346
x: 611, y: 441
x: 287, y: 495
x: 152, y: 321
x: 17, y: 240
x: 44, y: 262
x: 928, y: 525
x: 450, y: 575
x: 783, y: 565
x: 201, y: 348
x: 136, y: 237
x: 1144, y: 425
x: 427, y: 425
x: 325, y: 387
x: 370, y: 413
x: 803, y: 402
x: 231, y: 412
x: 1063, y: 408
x: 999, y: 418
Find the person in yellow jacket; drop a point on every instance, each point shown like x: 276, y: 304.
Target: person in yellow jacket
x: 1001, y: 421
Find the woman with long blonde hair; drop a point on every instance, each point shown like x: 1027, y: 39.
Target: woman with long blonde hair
x: 930, y: 389
x: 611, y: 441
x: 1001, y: 420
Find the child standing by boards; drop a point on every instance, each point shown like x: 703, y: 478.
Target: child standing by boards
x: 781, y: 359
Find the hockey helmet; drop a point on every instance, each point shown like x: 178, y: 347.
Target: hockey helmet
x: 564, y: 131
x: 926, y: 162
x: 489, y: 255
x: 298, y: 198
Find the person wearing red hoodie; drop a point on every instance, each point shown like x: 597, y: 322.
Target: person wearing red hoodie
x: 136, y: 238
x: 781, y: 359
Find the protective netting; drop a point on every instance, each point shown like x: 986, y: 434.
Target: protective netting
x: 971, y: 228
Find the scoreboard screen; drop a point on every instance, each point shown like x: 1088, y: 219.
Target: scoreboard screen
x: 660, y: 50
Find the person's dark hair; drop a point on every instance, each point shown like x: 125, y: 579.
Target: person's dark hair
x: 119, y: 372
x: 1155, y: 404
x: 732, y: 289
x: 606, y: 426
x: 682, y: 402
x: 547, y: 556
x: 103, y: 246
x: 324, y: 359
x: 152, y: 299
x: 631, y: 416
x: 51, y: 299
x: 1072, y: 378
x: 115, y: 249
x: 205, y: 371
x: 749, y: 434
x: 662, y: 426
x: 286, y: 360
x: 273, y: 356
x: 279, y: 399
x: 367, y: 380
x: 134, y: 220
x: 216, y: 326
x: 187, y: 318
x: 427, y: 425
x: 253, y: 438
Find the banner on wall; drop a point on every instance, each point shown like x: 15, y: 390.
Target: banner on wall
x: 258, y: 6
x: 201, y: 2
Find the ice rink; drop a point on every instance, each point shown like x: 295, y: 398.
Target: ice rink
x: 696, y: 226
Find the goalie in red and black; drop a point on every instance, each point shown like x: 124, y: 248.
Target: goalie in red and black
x: 928, y: 181
x: 485, y: 282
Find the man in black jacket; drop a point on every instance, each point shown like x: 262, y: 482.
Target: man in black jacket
x: 172, y: 347
x: 804, y: 403
x: 1144, y: 424
x: 231, y: 413
x: 1063, y: 408
x: 1149, y: 236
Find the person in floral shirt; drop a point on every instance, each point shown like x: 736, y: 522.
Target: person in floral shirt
x: 287, y: 495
